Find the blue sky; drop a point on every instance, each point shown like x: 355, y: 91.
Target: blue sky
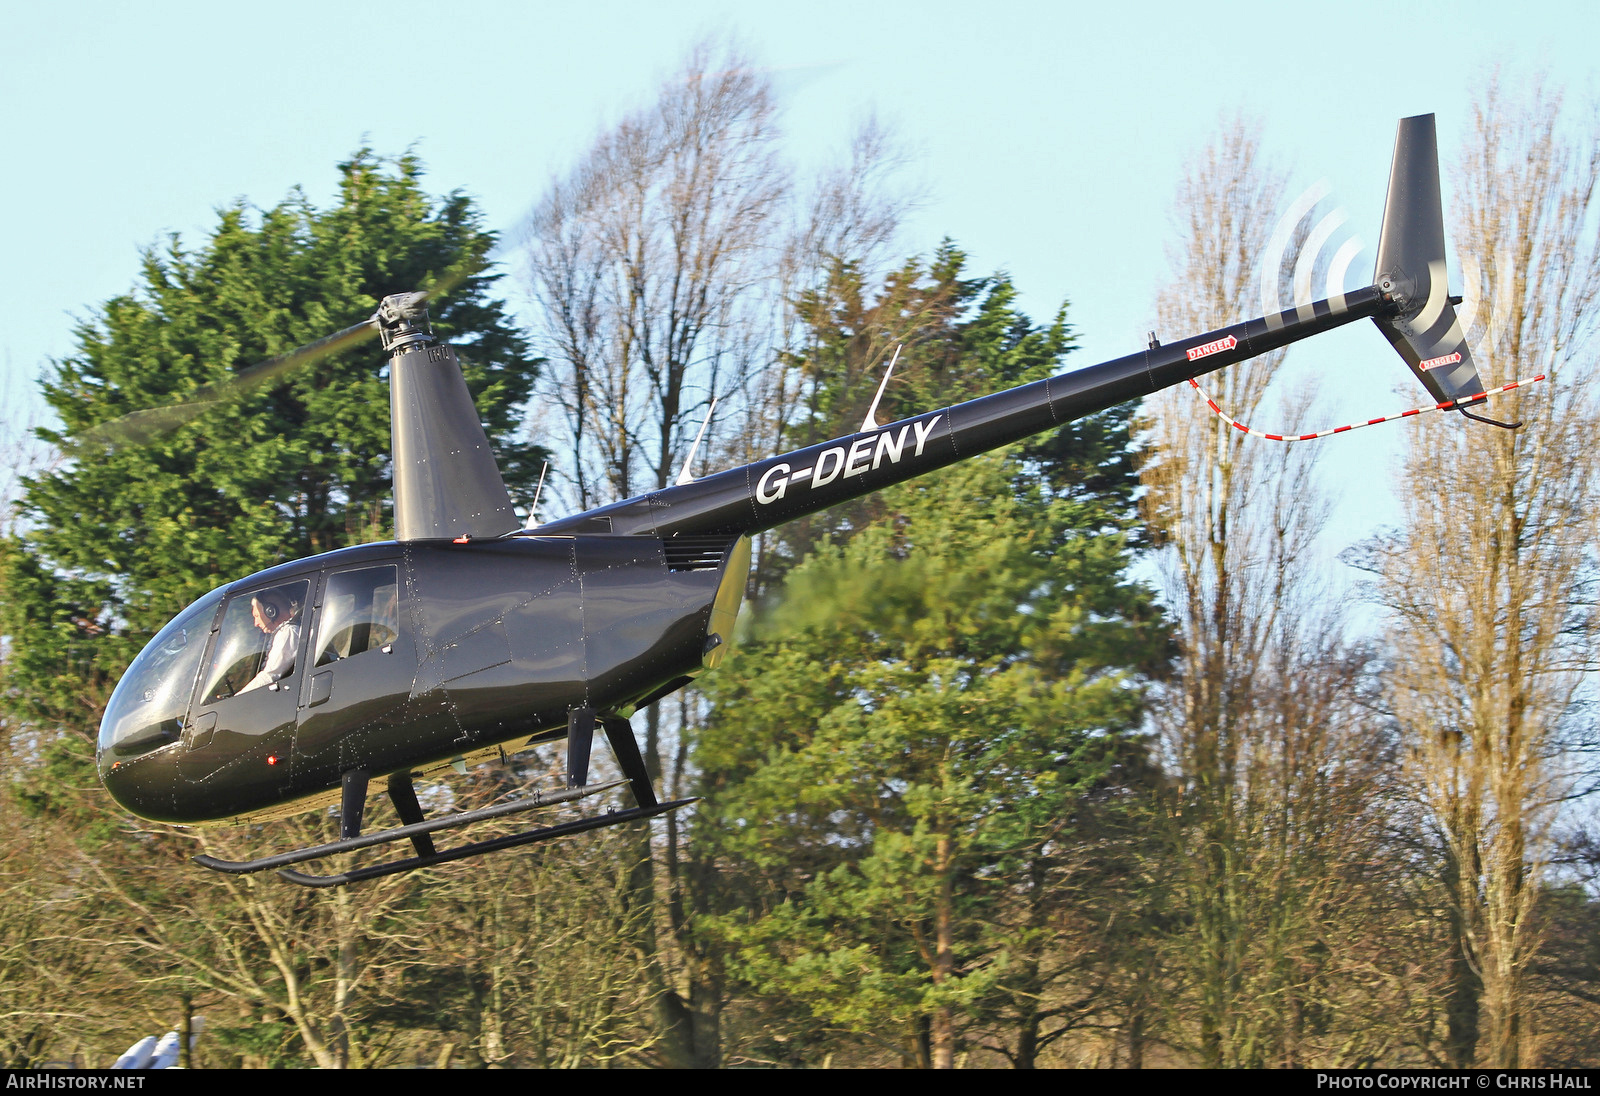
x: 1048, y: 136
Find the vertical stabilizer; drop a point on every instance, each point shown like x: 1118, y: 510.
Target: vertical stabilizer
x: 1411, y: 269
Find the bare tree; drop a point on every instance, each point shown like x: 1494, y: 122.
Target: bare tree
x: 307, y: 963
x: 646, y: 264
x: 1491, y: 578
x: 55, y: 992
x: 839, y: 235
x: 667, y: 265
x: 528, y: 959
x: 665, y: 270
x: 22, y: 455
x: 1260, y: 724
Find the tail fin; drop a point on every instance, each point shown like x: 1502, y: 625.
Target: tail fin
x: 1411, y: 268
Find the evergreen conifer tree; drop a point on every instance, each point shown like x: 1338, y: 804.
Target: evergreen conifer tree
x: 117, y: 540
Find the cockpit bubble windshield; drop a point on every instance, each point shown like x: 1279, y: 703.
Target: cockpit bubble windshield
x: 149, y: 703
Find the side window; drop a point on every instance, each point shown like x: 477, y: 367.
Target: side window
x: 360, y: 613
x: 258, y: 642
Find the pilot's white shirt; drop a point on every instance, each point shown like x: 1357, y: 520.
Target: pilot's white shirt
x: 280, y: 657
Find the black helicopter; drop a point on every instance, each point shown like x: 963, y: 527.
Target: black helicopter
x: 297, y: 687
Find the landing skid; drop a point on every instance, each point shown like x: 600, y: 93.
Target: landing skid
x: 614, y: 818
x: 419, y: 832
x: 401, y: 833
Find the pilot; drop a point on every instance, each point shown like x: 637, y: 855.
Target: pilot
x: 274, y: 612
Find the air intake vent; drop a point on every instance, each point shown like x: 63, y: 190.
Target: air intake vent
x: 696, y: 553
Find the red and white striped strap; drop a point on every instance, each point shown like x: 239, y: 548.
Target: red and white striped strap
x: 1447, y: 405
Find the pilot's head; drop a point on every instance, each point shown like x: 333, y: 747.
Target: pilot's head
x: 272, y: 609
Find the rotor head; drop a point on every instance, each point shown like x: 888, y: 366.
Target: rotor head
x: 402, y: 320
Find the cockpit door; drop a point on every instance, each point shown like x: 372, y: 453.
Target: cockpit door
x: 362, y: 664
x: 243, y: 717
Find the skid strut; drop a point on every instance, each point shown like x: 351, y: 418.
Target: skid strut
x: 404, y: 798
x: 352, y: 802
x: 624, y: 747
x: 580, y: 740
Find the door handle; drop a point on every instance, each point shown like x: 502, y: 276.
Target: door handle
x: 200, y: 730
x: 321, y: 688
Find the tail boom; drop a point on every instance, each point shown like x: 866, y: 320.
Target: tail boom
x: 769, y: 492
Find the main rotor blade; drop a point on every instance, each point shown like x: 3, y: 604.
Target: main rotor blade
x: 140, y: 426
x: 450, y: 280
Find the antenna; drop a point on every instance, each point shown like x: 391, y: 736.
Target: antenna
x: 537, y: 491
x: 871, y: 421
x: 683, y: 473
